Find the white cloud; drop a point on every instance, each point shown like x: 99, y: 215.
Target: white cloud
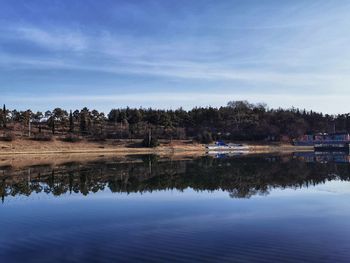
x: 296, y: 63
x: 193, y: 71
x: 55, y: 39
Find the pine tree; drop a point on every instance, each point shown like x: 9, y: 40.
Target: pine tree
x: 4, y: 121
x: 83, y: 123
x: 53, y: 128
x: 71, y: 122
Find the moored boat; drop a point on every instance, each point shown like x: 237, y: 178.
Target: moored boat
x: 221, y: 146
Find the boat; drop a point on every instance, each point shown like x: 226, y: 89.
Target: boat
x: 221, y: 146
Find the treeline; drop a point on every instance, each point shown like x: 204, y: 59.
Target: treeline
x: 238, y: 120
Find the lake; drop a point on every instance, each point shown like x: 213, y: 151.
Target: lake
x: 259, y: 208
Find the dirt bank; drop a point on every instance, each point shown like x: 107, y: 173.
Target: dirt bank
x: 23, y: 152
x: 124, y: 147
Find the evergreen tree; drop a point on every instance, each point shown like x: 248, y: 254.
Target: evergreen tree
x: 53, y: 128
x: 83, y: 122
x: 4, y: 121
x: 71, y: 122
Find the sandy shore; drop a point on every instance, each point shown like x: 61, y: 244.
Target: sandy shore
x: 21, y: 153
x: 124, y: 147
x: 23, y: 146
x: 279, y: 148
x: 24, y: 152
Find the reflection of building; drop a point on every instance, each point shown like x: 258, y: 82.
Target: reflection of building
x: 323, y: 157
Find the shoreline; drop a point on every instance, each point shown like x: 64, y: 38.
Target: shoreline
x: 127, y: 147
x: 23, y: 153
x: 26, y: 147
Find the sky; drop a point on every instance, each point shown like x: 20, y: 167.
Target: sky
x: 170, y: 53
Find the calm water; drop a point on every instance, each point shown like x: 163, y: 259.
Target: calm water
x: 147, y: 209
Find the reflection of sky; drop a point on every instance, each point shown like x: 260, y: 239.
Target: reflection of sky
x: 334, y: 187
x: 309, y: 223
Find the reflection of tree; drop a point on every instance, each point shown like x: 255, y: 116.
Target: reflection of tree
x: 246, y: 192
x: 240, y: 177
x: 2, y: 189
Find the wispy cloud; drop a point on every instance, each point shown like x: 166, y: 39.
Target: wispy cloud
x: 53, y: 39
x: 190, y: 70
x: 250, y: 49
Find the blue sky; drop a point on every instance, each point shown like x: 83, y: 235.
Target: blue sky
x: 170, y: 53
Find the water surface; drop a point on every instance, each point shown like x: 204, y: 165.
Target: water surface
x: 150, y: 209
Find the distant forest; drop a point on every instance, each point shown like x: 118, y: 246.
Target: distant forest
x: 238, y: 120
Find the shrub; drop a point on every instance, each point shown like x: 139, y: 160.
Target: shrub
x: 71, y: 138
x: 204, y: 137
x: 97, y: 138
x: 42, y: 137
x: 8, y: 137
x: 150, y: 143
